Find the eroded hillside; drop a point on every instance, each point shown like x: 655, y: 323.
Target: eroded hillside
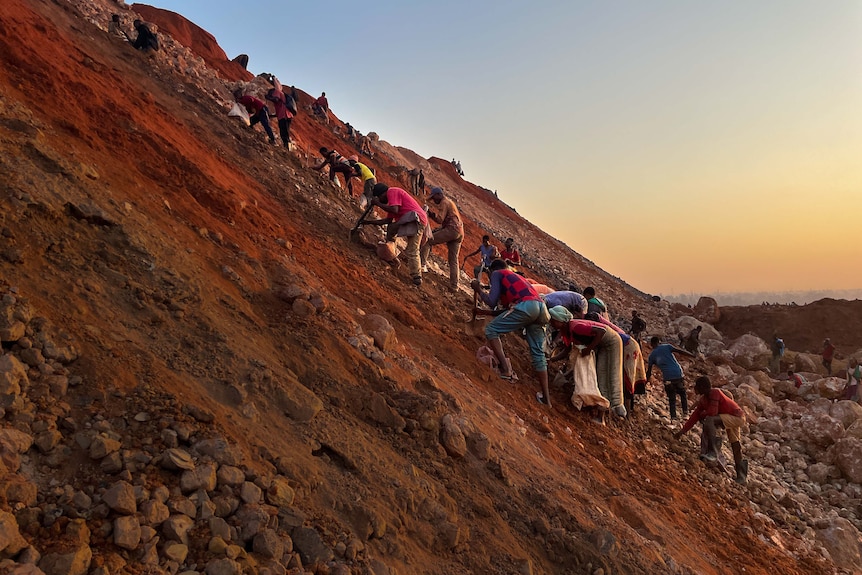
x: 204, y: 374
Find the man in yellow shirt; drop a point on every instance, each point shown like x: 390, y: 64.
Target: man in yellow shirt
x: 365, y: 174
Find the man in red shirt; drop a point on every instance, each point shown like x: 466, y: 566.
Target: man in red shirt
x: 257, y: 112
x: 526, y: 311
x: 715, y: 409
x: 321, y: 107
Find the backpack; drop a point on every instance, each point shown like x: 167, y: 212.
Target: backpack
x: 290, y: 103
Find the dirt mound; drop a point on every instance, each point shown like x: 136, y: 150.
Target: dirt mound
x: 803, y: 328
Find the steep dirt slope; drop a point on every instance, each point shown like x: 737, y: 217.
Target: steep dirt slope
x: 178, y: 252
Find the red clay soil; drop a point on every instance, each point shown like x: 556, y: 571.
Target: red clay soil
x: 175, y: 289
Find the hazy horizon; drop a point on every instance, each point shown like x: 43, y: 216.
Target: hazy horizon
x: 772, y: 297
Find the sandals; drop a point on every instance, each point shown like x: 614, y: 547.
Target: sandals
x: 510, y: 377
x: 540, y: 397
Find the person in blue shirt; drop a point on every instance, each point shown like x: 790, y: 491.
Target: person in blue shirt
x: 489, y: 254
x: 671, y: 372
x: 777, y: 348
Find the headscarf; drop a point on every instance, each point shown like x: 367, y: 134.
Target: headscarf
x: 560, y: 313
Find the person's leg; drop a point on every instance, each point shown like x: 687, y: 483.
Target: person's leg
x: 679, y: 384
x: 497, y: 347
x: 611, y: 349
x: 424, y: 251
x: 411, y: 254
x: 710, y: 426
x: 264, y: 119
x: 454, y: 248
x: 283, y: 131
x: 670, y: 390
x: 535, y: 341
x: 512, y: 320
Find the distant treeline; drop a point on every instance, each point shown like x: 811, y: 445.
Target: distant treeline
x: 759, y: 297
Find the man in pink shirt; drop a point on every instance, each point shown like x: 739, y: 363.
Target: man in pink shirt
x: 716, y: 409
x: 406, y: 218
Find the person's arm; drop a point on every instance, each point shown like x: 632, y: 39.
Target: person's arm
x: 683, y: 351
x: 385, y: 207
x: 693, y: 418
x: 493, y: 298
x: 598, y: 333
x: 650, y: 363
x: 439, y: 219
x: 561, y: 354
x: 471, y: 254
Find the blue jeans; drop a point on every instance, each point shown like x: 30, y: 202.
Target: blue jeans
x: 526, y: 314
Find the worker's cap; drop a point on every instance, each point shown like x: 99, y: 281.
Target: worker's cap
x: 436, y: 191
x: 379, y: 189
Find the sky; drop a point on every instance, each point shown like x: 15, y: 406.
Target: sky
x: 685, y: 147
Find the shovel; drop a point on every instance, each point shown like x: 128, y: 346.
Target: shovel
x: 475, y: 325
x: 354, y: 233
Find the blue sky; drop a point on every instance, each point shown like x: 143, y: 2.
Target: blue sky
x: 683, y: 146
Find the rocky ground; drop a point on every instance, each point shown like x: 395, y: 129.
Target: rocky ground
x: 201, y: 373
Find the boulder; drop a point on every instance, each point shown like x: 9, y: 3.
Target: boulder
x: 847, y: 412
x: 841, y: 539
x: 805, y: 362
x: 707, y: 310
x: 120, y: 497
x: 177, y: 527
x: 127, y: 532
x: 452, y: 438
x: 291, y: 293
x: 848, y: 458
x: 75, y: 562
x: 310, y: 546
x: 683, y: 325
x: 296, y: 400
x: 280, y: 493
x: 747, y: 395
x: 13, y: 376
x: 750, y: 352
x: 379, y: 411
x: 11, y: 541
x: 224, y: 566
x: 829, y: 387
x: 379, y: 328
x: 202, y: 477
x: 821, y: 429
x: 268, y: 544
